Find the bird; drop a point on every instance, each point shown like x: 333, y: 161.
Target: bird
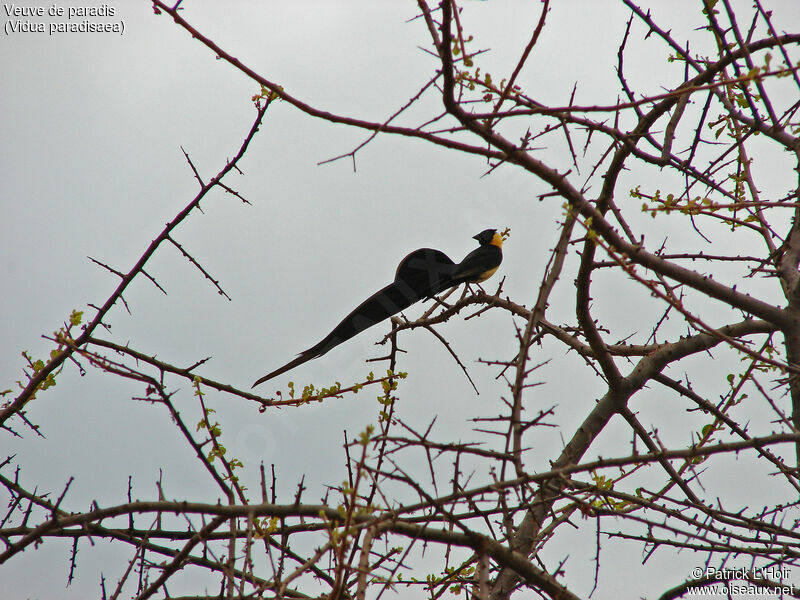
x: 422, y: 274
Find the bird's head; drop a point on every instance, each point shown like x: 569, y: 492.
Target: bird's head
x: 489, y: 236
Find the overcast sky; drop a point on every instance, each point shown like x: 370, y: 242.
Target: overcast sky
x: 91, y: 134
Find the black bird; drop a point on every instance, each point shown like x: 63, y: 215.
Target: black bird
x: 422, y: 274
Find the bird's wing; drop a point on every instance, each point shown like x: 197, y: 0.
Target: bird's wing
x: 477, y: 265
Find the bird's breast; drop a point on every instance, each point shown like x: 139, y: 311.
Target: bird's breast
x: 486, y: 275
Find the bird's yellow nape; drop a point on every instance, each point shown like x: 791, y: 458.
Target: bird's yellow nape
x: 497, y: 240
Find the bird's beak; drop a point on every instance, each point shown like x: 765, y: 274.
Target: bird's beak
x: 476, y: 236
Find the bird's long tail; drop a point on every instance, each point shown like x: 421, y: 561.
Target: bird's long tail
x: 421, y: 274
